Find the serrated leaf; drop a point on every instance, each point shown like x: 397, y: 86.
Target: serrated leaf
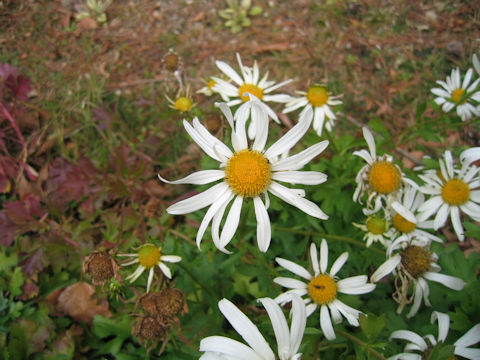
x: 372, y: 325
x: 441, y: 352
x: 255, y: 10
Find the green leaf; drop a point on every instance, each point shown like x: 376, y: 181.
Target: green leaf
x: 420, y: 110
x: 441, y: 352
x: 104, y: 327
x: 472, y: 230
x: 7, y: 261
x: 372, y: 325
x: 255, y: 10
x: 16, y: 282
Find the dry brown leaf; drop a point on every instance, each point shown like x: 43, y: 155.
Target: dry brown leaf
x: 77, y: 302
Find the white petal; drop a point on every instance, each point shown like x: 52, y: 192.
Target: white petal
x: 314, y: 259
x: 410, y: 336
x: 231, y: 222
x: 355, y: 285
x: 471, y: 337
x: 165, y: 270
x: 292, y: 198
x: 404, y: 212
x: 443, y: 324
x: 294, y: 268
x: 348, y: 312
x: 429, y: 207
x: 298, y: 161
x: 171, y: 258
x: 224, y: 199
x: 260, y: 118
x: 247, y: 330
x: 198, y: 178
x: 279, y: 324
x: 370, y: 142
x: 473, y: 354
x: 212, y: 140
x: 227, y: 70
x: 299, y: 321
x: 417, y: 298
x: 264, y: 230
x: 386, y: 268
x: 451, y: 282
x: 289, y: 140
x: 229, y: 347
x: 290, y: 283
x: 300, y: 177
x: 136, y: 274
x: 457, y: 224
x: 337, y: 265
x: 323, y: 256
x: 150, y: 278
x: 198, y: 201
x: 441, y: 217
x: 326, y: 323
x: 365, y: 155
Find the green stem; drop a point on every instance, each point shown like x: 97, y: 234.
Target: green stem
x: 334, y: 237
x: 361, y: 343
x: 331, y: 141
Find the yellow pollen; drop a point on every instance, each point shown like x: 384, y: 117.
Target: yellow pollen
x: 249, y: 88
x: 183, y: 104
x: 402, y: 224
x: 457, y: 95
x: 376, y: 225
x: 248, y: 173
x: 455, y: 192
x: 149, y: 255
x: 322, y: 289
x: 416, y: 260
x: 211, y: 83
x: 317, y: 95
x: 384, y: 177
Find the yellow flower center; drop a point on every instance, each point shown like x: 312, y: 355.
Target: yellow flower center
x: 149, y: 255
x: 416, y: 260
x: 248, y: 173
x: 376, y: 225
x: 322, y: 289
x: 384, y: 177
x: 211, y: 83
x: 317, y: 95
x: 402, y: 224
x: 249, y: 88
x: 183, y: 104
x: 457, y: 95
x: 455, y: 192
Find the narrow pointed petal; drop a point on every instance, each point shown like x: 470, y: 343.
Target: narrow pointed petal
x: 337, y: 265
x: 386, y: 268
x: 279, y: 324
x: 198, y: 201
x: 231, y: 223
x: 314, y: 259
x: 298, y: 161
x: 264, y: 230
x: 451, y: 282
x: 326, y: 323
x: 198, y: 178
x: 410, y: 336
x: 228, y: 347
x: 370, y: 142
x: 443, y: 324
x: 294, y: 268
x: 227, y: 70
x: 323, y: 256
x: 300, y: 177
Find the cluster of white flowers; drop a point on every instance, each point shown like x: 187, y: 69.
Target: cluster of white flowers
x: 398, y: 216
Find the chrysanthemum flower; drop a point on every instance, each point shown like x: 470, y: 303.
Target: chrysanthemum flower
x: 322, y: 288
x: 248, y: 83
x: 318, y: 98
x: 452, y: 190
x: 376, y: 229
x: 248, y: 173
x: 414, y: 263
x: 404, y: 221
x: 455, y: 93
x: 288, y: 340
x: 380, y: 178
x: 147, y: 257
x: 419, y: 346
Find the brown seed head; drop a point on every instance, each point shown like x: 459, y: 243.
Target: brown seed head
x: 100, y: 266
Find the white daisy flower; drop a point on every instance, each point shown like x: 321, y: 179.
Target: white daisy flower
x: 147, y: 257
x: 248, y: 173
x: 404, y: 221
x: 320, y: 100
x: 322, y: 288
x: 376, y: 229
x: 414, y: 263
x: 455, y: 93
x: 452, y: 190
x: 248, y: 83
x: 380, y: 178
x: 288, y: 339
x: 419, y: 346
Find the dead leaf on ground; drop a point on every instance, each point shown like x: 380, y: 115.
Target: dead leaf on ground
x: 77, y: 302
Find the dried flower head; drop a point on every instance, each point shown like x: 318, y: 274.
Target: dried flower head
x: 101, y: 267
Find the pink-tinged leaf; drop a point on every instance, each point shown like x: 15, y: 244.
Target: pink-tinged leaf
x: 33, y: 263
x: 25, y: 210
x: 14, y: 125
x: 29, y: 291
x: 20, y: 87
x: 7, y: 229
x: 7, y: 70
